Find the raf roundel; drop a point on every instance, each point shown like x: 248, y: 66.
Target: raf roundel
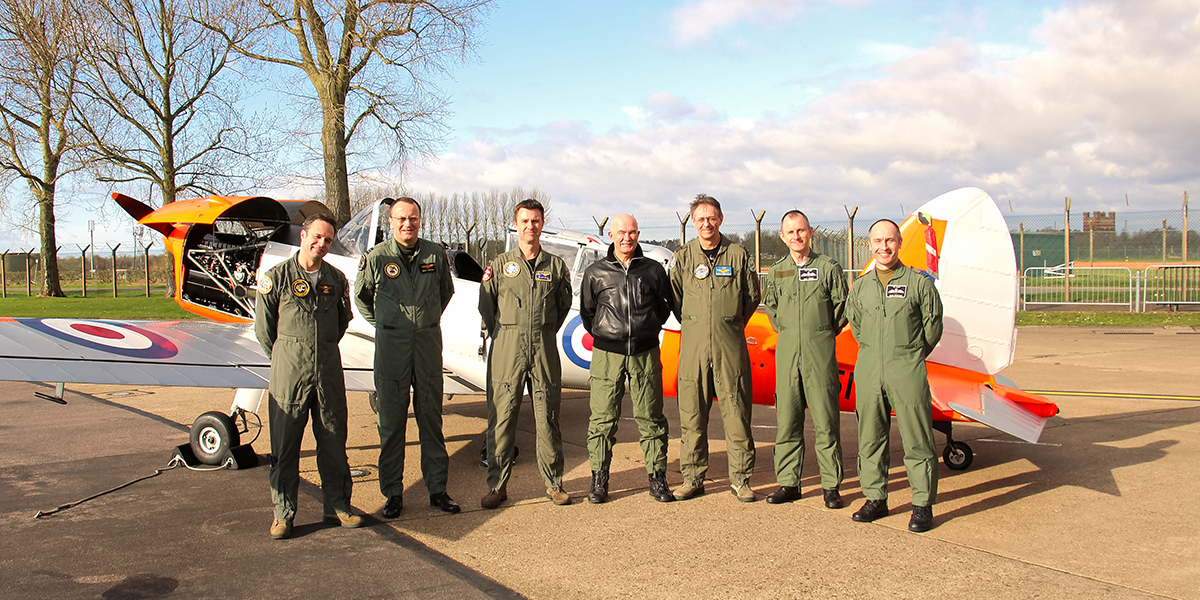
x: 577, y: 343
x: 106, y: 336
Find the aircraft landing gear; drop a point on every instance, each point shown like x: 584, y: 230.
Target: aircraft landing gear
x: 213, y: 434
x: 956, y: 455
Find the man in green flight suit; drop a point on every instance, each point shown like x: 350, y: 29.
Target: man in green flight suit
x: 302, y: 311
x: 895, y: 313
x: 805, y: 297
x: 714, y: 292
x: 402, y: 288
x: 524, y: 299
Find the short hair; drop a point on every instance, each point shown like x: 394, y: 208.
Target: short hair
x: 318, y: 217
x: 795, y: 213
x: 705, y: 199
x: 529, y: 204
x: 406, y: 200
x: 885, y: 221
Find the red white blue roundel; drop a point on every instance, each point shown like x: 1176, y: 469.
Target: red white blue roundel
x: 577, y: 343
x: 106, y: 336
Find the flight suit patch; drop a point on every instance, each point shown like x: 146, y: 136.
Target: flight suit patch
x: 784, y: 274
x: 897, y: 291
x: 701, y: 271
x: 511, y: 269
x: 723, y: 271
x: 671, y: 265
x: 265, y: 285
x: 392, y: 270
x: 808, y: 275
x: 542, y: 276
x: 300, y: 288
x: 362, y: 263
x: 428, y: 268
x: 487, y: 273
x: 324, y: 290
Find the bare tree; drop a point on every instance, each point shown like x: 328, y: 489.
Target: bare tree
x: 160, y: 103
x: 37, y: 93
x: 369, y: 63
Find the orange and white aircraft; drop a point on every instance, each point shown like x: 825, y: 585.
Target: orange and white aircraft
x: 221, y: 245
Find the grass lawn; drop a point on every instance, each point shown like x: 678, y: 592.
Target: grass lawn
x: 154, y: 308
x: 1096, y: 318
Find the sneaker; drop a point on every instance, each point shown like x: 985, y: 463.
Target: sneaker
x: 493, y: 499
x: 348, y: 520
x: 922, y: 519
x: 689, y: 489
x: 281, y: 529
x: 558, y: 496
x: 744, y: 493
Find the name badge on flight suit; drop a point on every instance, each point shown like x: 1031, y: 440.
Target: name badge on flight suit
x: 808, y: 274
x: 324, y: 290
x: 723, y: 271
x: 897, y: 291
x: 542, y: 276
x: 428, y: 268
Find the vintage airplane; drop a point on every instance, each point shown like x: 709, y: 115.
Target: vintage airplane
x: 221, y: 245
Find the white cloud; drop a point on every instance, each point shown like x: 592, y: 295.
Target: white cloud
x: 1106, y: 107
x: 699, y: 20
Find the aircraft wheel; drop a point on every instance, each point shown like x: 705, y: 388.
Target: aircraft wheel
x: 213, y: 434
x: 373, y: 400
x: 958, y: 456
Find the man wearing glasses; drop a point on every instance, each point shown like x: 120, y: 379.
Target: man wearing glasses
x: 403, y: 286
x: 715, y: 291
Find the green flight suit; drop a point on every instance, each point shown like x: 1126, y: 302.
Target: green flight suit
x: 713, y: 302
x: 299, y: 325
x: 522, y: 312
x: 404, y: 299
x: 896, y: 328
x: 806, y: 304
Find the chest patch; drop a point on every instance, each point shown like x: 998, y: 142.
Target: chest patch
x: 428, y: 268
x: 265, y: 285
x: 701, y: 271
x: 300, y: 288
x: 784, y: 274
x: 808, y: 274
x: 897, y: 291
x: 511, y: 269
x: 392, y: 270
x: 324, y: 290
x: 542, y: 276
x: 723, y: 271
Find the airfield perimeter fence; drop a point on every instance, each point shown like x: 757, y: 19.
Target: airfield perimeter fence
x: 22, y: 272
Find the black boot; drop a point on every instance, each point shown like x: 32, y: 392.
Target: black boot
x: 922, y: 519
x: 871, y: 511
x: 599, y: 491
x: 658, y: 487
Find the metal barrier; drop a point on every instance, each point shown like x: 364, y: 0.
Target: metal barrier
x: 1080, y: 286
x: 1171, y: 285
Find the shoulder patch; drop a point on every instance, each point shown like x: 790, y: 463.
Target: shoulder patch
x: 487, y: 273
x: 362, y: 263
x: 264, y: 285
x: 671, y: 265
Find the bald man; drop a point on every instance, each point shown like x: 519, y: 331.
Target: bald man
x: 624, y: 301
x: 896, y: 316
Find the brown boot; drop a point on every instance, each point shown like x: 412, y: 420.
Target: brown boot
x: 281, y: 529
x: 558, y: 496
x: 493, y: 499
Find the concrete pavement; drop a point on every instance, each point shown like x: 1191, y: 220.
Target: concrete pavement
x: 1100, y: 507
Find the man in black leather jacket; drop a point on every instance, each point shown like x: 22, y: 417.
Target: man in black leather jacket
x: 624, y: 301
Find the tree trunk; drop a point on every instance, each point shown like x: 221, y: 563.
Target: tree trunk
x: 51, y: 286
x: 333, y: 144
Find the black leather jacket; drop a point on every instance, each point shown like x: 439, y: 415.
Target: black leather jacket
x: 624, y: 308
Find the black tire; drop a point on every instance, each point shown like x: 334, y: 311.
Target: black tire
x: 213, y: 434
x: 958, y: 456
x: 373, y: 400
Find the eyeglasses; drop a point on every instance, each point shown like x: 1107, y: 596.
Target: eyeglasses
x: 402, y: 219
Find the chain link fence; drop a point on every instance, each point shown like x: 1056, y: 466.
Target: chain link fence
x: 88, y: 274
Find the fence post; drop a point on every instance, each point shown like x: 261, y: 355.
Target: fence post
x: 1164, y: 241
x: 4, y: 274
x: 850, y: 212
x: 1185, y: 230
x: 83, y: 267
x: 114, y: 268
x: 1021, y: 264
x: 146, y: 255
x: 1091, y: 246
x: 600, y: 225
x: 758, y: 240
x: 683, y: 228
x: 1067, y: 246
x: 28, y: 275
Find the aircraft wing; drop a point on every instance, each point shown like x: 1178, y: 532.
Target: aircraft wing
x: 169, y: 353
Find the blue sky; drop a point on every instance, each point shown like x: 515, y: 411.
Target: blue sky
x: 626, y: 106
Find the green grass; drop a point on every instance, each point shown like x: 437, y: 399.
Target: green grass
x: 154, y: 308
x: 1097, y: 318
